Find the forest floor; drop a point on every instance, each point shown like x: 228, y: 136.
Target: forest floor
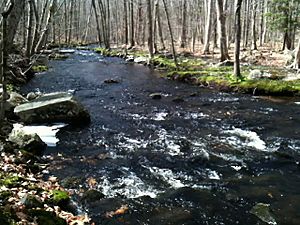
x: 264, y: 72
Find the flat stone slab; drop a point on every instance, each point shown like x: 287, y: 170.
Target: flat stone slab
x: 54, y: 107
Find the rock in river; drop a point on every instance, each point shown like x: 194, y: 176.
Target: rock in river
x: 29, y: 142
x: 51, y: 108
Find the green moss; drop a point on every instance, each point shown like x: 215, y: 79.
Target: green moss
x: 40, y: 68
x: 60, y: 197
x: 107, y: 52
x: 163, y: 62
x: 10, y: 181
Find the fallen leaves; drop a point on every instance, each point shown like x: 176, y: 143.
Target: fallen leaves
x: 122, y: 210
x: 18, y: 181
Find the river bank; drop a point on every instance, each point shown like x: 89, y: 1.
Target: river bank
x: 28, y: 193
x: 256, y: 79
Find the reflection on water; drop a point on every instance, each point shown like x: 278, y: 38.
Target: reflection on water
x: 206, y: 160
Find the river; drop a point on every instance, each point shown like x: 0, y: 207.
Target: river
x: 196, y: 156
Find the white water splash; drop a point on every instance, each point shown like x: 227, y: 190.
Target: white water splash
x: 245, y: 138
x: 130, y: 186
x: 46, y: 133
x: 213, y: 175
x: 168, y: 176
x: 160, y: 116
x: 194, y: 116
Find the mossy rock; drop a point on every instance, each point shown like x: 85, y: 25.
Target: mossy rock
x: 7, y: 216
x: 46, y: 218
x: 4, y: 196
x: 60, y: 197
x: 92, y: 196
x: 71, y: 182
x: 38, y: 69
x: 31, y: 201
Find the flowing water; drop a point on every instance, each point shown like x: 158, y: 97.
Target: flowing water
x: 208, y: 159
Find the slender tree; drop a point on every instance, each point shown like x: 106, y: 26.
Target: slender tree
x: 237, y: 69
x: 222, y: 31
x: 150, y: 29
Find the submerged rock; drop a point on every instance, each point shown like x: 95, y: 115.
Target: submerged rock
x: 111, y: 81
x: 155, y: 96
x: 33, y: 95
x: 51, y: 108
x: 29, y: 142
x: 262, y: 211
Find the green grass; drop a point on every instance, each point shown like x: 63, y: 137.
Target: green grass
x: 197, y: 71
x: 40, y: 68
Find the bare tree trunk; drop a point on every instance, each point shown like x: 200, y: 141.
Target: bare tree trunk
x: 97, y: 21
x: 29, y: 27
x: 296, y: 64
x: 184, y: 25
x: 171, y: 32
x: 222, y: 31
x: 140, y: 23
x: 66, y: 20
x: 159, y: 27
x: 87, y: 25
x: 44, y: 34
x: 254, y: 45
x: 125, y: 23
x: 208, y: 27
x: 13, y: 22
x: 5, y: 47
x: 71, y: 21
x: 35, y: 38
x: 132, y: 24
x: 237, y: 68
x: 150, y: 29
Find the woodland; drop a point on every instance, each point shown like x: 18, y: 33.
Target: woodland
x: 233, y: 46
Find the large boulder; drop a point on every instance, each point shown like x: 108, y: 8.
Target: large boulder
x: 52, y: 108
x: 29, y: 142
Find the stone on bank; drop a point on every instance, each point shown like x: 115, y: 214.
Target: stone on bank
x: 59, y: 107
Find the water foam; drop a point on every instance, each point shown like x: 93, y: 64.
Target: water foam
x: 245, y: 138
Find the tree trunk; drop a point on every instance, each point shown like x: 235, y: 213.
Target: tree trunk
x: 125, y: 22
x: 237, y: 69
x: 132, y: 24
x: 97, y: 22
x: 208, y: 27
x: 29, y: 28
x: 222, y: 31
x: 150, y: 29
x: 171, y: 33
x: 184, y: 25
x: 296, y: 64
x: 44, y: 34
x: 159, y: 27
x: 6, y: 15
x: 254, y: 45
x: 71, y: 21
x: 13, y: 22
